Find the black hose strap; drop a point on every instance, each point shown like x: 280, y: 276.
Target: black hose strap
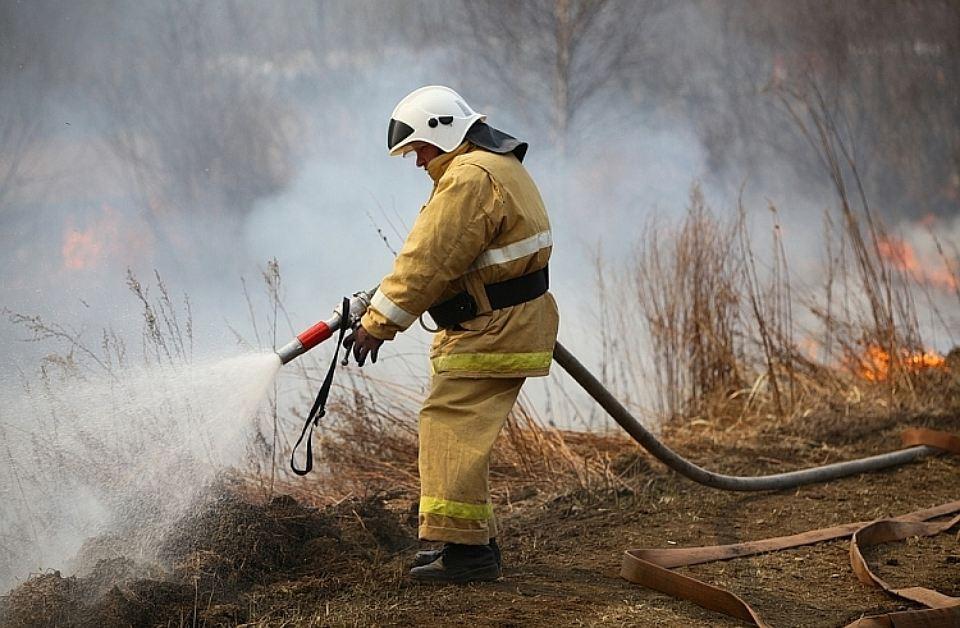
x: 320, y: 404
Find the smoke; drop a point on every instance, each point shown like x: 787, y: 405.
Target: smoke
x: 204, y: 138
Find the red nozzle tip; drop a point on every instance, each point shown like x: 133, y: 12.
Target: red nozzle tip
x: 315, y: 335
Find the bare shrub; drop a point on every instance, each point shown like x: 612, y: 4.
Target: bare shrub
x: 719, y: 316
x: 685, y: 282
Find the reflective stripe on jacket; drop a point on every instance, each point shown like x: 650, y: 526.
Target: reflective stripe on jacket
x: 484, y: 223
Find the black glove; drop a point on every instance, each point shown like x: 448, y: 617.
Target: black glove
x: 362, y: 344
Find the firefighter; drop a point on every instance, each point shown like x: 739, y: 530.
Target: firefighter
x: 476, y: 260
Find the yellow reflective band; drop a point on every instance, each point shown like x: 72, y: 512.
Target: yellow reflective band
x: 491, y: 362
x: 458, y: 510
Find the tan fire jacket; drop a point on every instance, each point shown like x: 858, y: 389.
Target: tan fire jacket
x: 484, y: 223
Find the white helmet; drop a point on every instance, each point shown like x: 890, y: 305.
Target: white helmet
x: 434, y: 114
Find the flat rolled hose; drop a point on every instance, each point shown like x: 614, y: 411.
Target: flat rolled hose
x: 684, y: 467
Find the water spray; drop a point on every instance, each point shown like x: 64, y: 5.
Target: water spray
x: 924, y: 442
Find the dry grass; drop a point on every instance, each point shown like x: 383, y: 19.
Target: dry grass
x: 368, y: 444
x: 719, y: 318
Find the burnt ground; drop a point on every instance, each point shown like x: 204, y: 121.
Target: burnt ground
x: 284, y: 564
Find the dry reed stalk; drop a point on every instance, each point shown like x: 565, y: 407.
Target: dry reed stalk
x: 890, y: 321
x: 685, y: 283
x: 719, y: 318
x: 369, y: 443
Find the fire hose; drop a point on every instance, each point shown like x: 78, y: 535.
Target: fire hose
x: 653, y: 567
x: 352, y: 309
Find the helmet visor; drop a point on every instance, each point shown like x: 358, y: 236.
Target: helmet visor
x: 397, y: 132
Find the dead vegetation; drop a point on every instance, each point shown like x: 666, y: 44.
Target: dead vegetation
x: 212, y: 563
x: 730, y: 334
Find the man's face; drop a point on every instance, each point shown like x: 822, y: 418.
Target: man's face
x: 425, y: 153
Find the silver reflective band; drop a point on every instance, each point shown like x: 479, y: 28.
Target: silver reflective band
x: 391, y: 310
x: 527, y: 246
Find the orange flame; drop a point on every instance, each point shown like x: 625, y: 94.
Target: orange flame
x: 81, y: 249
x: 875, y: 364
x: 105, y: 236
x: 810, y: 348
x: 903, y: 257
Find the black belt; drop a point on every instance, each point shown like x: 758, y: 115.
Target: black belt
x: 463, y: 307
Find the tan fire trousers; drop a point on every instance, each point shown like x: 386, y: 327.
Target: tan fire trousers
x: 459, y: 422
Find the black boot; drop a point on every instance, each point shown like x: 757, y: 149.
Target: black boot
x: 459, y: 564
x: 425, y: 557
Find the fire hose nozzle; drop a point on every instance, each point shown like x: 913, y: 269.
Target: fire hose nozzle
x: 320, y: 331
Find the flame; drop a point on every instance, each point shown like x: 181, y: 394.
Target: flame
x: 107, y: 236
x: 875, y: 364
x: 810, y: 348
x: 81, y: 249
x: 903, y: 257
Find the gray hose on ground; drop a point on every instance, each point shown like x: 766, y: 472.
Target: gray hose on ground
x: 667, y: 456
